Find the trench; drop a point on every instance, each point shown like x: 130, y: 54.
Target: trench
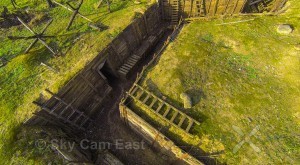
x: 111, y: 127
x: 87, y: 90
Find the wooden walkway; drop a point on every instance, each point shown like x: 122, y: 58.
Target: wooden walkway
x: 163, y: 109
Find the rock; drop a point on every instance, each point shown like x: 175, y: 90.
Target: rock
x: 284, y: 29
x: 187, y: 100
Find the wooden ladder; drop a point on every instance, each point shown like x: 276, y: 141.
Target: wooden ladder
x: 200, y: 8
x: 128, y: 65
x: 163, y: 109
x: 174, y: 12
x: 66, y: 112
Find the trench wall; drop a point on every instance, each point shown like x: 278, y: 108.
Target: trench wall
x: 155, y: 138
x: 89, y: 91
x: 210, y: 8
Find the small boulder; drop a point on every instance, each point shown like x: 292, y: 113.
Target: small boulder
x: 187, y: 100
x: 284, y: 29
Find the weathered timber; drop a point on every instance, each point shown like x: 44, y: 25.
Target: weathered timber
x: 71, y: 10
x: 174, y: 9
x: 70, y: 119
x: 139, y: 91
x: 75, y: 12
x: 89, y: 91
x: 36, y: 36
x: 155, y: 137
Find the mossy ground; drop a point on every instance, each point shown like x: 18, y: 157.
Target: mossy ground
x: 23, y: 78
x: 244, y: 75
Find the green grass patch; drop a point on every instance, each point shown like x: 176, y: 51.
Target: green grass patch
x: 243, y: 74
x: 23, y: 78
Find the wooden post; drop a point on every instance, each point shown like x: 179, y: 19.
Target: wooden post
x: 75, y: 12
x: 36, y: 36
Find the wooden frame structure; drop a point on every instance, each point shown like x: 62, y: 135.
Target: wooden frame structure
x: 174, y: 10
x: 36, y: 36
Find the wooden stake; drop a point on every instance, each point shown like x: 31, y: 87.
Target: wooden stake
x: 36, y: 36
x: 71, y: 10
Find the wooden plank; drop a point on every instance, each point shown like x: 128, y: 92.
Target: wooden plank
x: 153, y: 102
x: 189, y: 126
x: 132, y: 60
x: 160, y: 106
x: 134, y: 90
x: 167, y: 111
x: 89, y: 83
x: 140, y: 95
x: 128, y: 65
x: 67, y: 107
x: 181, y: 121
x: 174, y: 116
x: 146, y: 99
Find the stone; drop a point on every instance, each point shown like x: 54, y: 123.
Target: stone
x: 284, y: 29
x: 187, y: 100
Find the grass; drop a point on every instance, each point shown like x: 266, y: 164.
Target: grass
x: 243, y: 75
x: 23, y: 78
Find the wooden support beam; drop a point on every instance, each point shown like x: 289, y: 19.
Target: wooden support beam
x: 37, y: 36
x: 189, y: 126
x: 181, y: 121
x: 146, y: 99
x: 140, y: 95
x: 174, y: 116
x: 167, y: 111
x: 89, y: 83
x: 44, y: 108
x: 71, y: 10
x: 153, y: 102
x: 160, y: 106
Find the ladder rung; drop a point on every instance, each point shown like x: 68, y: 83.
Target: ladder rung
x: 147, y: 97
x: 167, y: 111
x: 159, y: 108
x: 181, y: 121
x: 140, y: 95
x: 189, y: 126
x: 153, y: 102
x: 174, y: 116
x: 134, y: 89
